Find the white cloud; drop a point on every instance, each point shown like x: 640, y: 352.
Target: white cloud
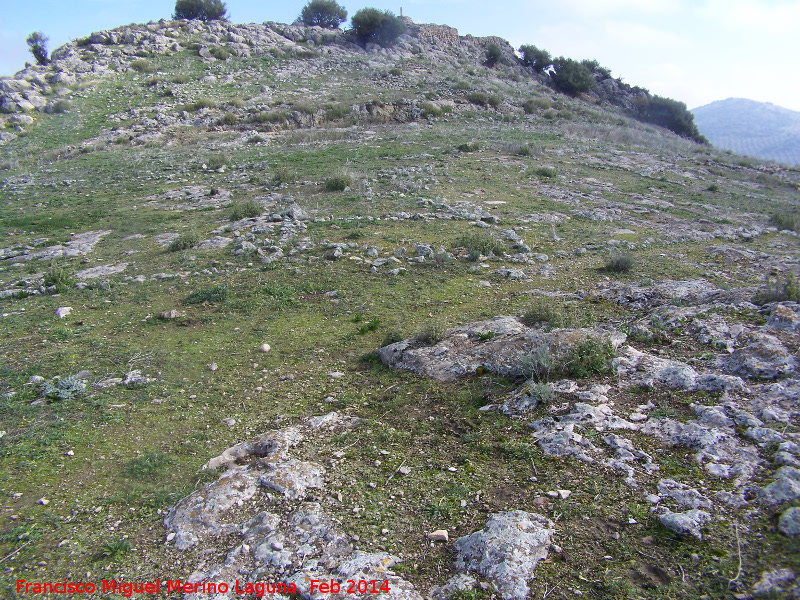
x: 636, y: 35
x: 606, y: 7
x: 756, y: 16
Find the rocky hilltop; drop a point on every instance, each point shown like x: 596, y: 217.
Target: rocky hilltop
x: 279, y: 309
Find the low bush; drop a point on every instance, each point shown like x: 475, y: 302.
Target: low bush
x: 777, y: 290
x: 619, y: 263
x: 60, y: 106
x: 668, y: 113
x: 484, y: 99
x: 57, y: 276
x: 219, y: 52
x: 216, y: 161
x: 539, y: 364
x: 432, y: 334
x: 468, y: 147
x: 229, y: 118
x: 184, y: 241
x: 336, y: 112
x: 246, y: 210
x: 201, y: 103
x: 338, y: 183
x: 785, y: 222
x: 545, y: 172
x: 211, y: 295
x: 589, y: 357
x: 142, y: 66
x: 530, y: 106
x: 181, y: 78
x: 557, y: 314
x: 283, y: 175
x: 65, y: 388
x: 479, y: 243
x: 203, y: 10
x: 274, y: 116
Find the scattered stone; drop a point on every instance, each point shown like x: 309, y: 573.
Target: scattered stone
x: 774, y: 582
x: 785, y: 488
x: 765, y: 357
x: 686, y: 523
x: 789, y: 523
x: 683, y: 494
x: 135, y: 379
x: 44, y: 501
x: 440, y: 535
x: 63, y: 311
x: 264, y: 348
x: 461, y: 582
x: 229, y: 422
x: 507, y: 550
x: 168, y: 315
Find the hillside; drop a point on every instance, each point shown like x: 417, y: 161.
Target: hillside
x: 278, y: 308
x: 752, y: 128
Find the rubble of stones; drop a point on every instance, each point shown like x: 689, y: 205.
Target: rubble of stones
x: 267, y: 504
x: 741, y: 435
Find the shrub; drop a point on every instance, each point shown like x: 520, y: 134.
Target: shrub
x: 571, y: 77
x: 211, y: 295
x: 142, y: 66
x: 530, y: 106
x: 668, y: 113
x: 323, y: 13
x: 371, y: 25
x: 539, y: 364
x: 181, y: 78
x: 619, y: 263
x: 432, y: 334
x: 57, y: 276
x: 304, y: 107
x: 37, y: 44
x: 392, y: 337
x: 338, y: 183
x: 246, y: 210
x: 545, y: 172
x: 204, y: 10
x: 282, y: 175
x: 595, y: 69
x: 557, y: 315
x: 429, y: 109
x: 275, y: 116
x: 215, y: 161
x: 776, y: 290
x: 237, y: 103
x: 370, y: 325
x: 229, y: 118
x: 148, y: 465
x: 588, y: 357
x: 538, y: 60
x: 116, y: 549
x: 203, y: 103
x: 479, y: 98
x: 785, y: 221
x: 468, y: 147
x: 184, y: 241
x: 478, y: 243
x: 219, y: 52
x: 65, y: 388
x: 337, y: 112
x: 494, y: 55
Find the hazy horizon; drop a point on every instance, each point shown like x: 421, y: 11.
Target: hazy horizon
x: 695, y: 52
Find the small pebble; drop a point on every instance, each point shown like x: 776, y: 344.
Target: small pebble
x: 440, y: 535
x: 264, y: 348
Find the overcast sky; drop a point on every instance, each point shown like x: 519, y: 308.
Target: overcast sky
x: 696, y: 51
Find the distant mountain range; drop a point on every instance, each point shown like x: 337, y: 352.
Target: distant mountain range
x: 753, y: 128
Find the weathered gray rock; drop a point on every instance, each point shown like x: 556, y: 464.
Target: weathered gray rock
x: 457, y: 583
x: 646, y: 370
x: 717, y: 449
x: 203, y: 513
x: 785, y: 488
x: 507, y: 550
x: 500, y: 345
x: 686, y: 523
x: 789, y: 523
x: 135, y: 378
x: 293, y: 478
x: 683, y: 494
x: 101, y: 271
x: 765, y: 357
x: 774, y: 582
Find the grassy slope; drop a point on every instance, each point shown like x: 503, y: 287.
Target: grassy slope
x: 137, y: 451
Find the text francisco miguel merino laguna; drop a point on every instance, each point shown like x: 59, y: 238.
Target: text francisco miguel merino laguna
x: 170, y: 586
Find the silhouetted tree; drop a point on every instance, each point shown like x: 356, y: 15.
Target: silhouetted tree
x: 379, y: 27
x: 204, y: 10
x: 571, y: 77
x: 323, y: 13
x: 539, y: 60
x: 37, y: 44
x: 494, y: 55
